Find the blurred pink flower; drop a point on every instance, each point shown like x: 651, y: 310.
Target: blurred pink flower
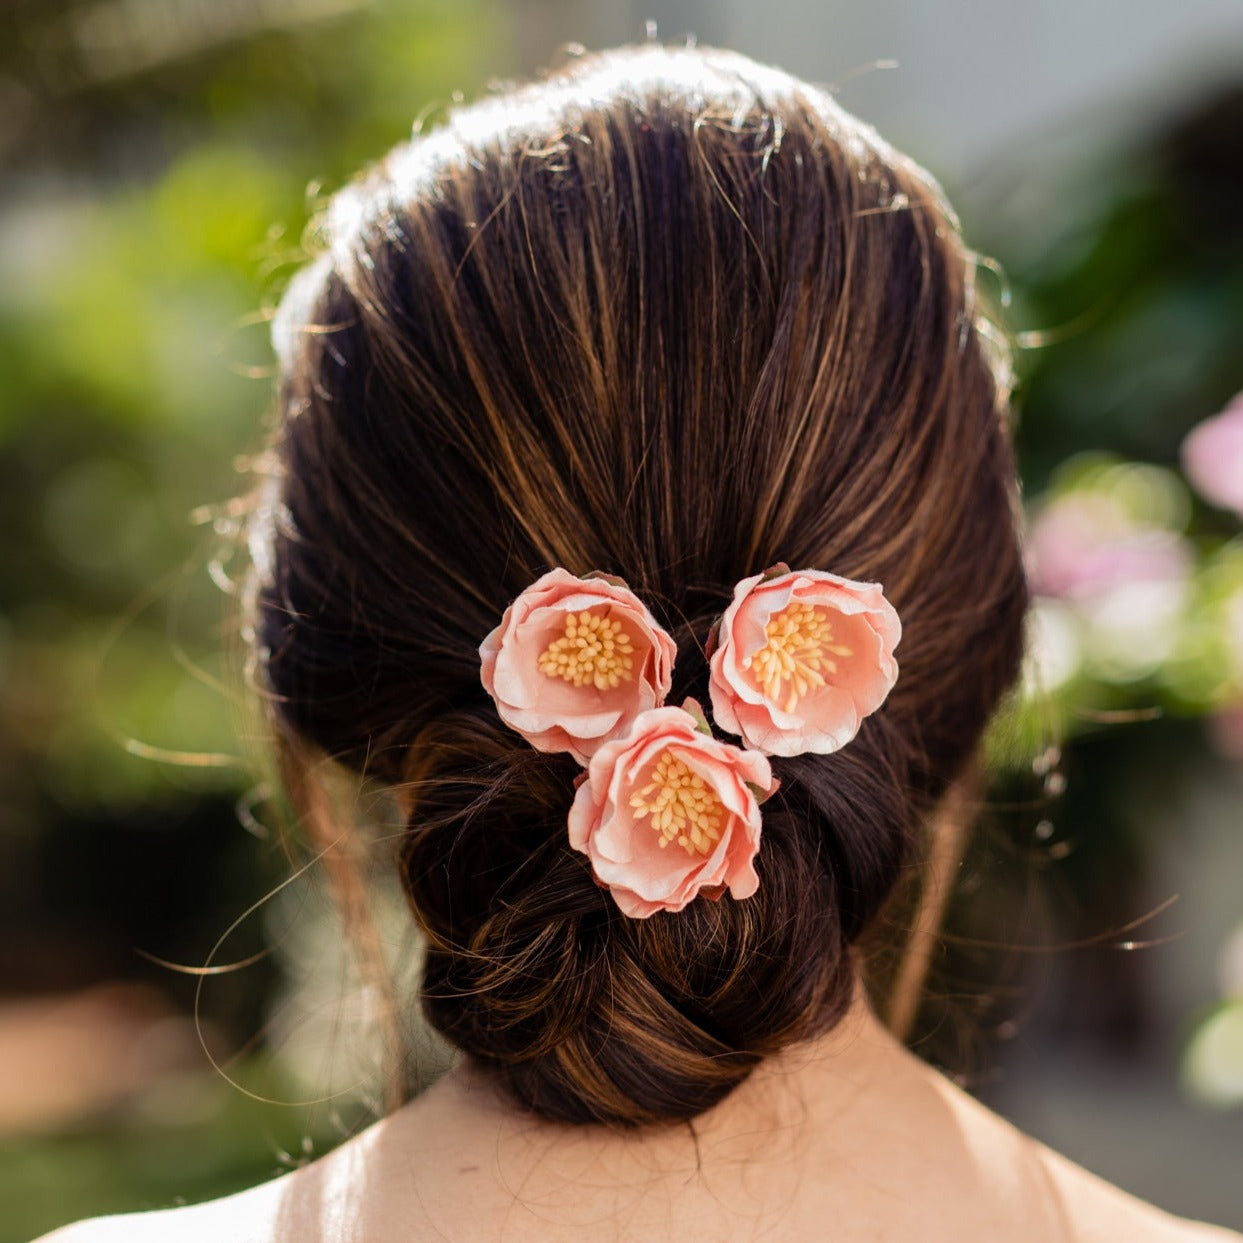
x: 1083, y: 545
x: 1212, y: 456
x: 667, y: 811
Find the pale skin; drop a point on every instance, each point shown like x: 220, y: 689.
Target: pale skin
x: 849, y: 1138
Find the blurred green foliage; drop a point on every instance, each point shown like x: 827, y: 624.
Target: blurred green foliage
x: 1138, y: 299
x: 160, y: 161
x: 1126, y: 268
x: 213, y: 1140
x: 155, y: 199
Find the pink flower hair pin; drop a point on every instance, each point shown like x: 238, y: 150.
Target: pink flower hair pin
x: 574, y: 661
x: 665, y: 811
x: 668, y: 812
x: 799, y: 658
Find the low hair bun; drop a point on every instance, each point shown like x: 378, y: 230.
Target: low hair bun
x: 587, y: 1015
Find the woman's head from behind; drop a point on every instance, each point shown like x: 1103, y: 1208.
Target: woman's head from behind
x: 672, y: 316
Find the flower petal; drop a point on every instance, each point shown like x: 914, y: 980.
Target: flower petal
x: 826, y: 680
x: 549, y: 710
x: 626, y: 851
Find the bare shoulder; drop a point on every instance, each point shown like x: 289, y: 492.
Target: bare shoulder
x: 1087, y: 1209
x: 1101, y: 1211
x: 315, y: 1203
x: 965, y: 1172
x: 251, y: 1216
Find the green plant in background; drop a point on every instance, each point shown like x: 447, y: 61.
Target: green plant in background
x: 160, y: 160
x: 1135, y: 498
x: 154, y: 201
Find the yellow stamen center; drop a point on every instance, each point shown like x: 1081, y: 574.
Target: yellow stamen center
x: 595, y: 650
x: 683, y: 806
x: 799, y: 652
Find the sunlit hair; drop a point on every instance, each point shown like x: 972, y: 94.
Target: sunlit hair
x: 675, y: 316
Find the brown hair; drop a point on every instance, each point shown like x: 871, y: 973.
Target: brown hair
x: 675, y: 316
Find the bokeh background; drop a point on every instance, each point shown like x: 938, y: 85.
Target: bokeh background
x: 159, y: 161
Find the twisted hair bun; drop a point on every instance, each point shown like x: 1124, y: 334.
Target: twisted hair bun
x: 675, y: 316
